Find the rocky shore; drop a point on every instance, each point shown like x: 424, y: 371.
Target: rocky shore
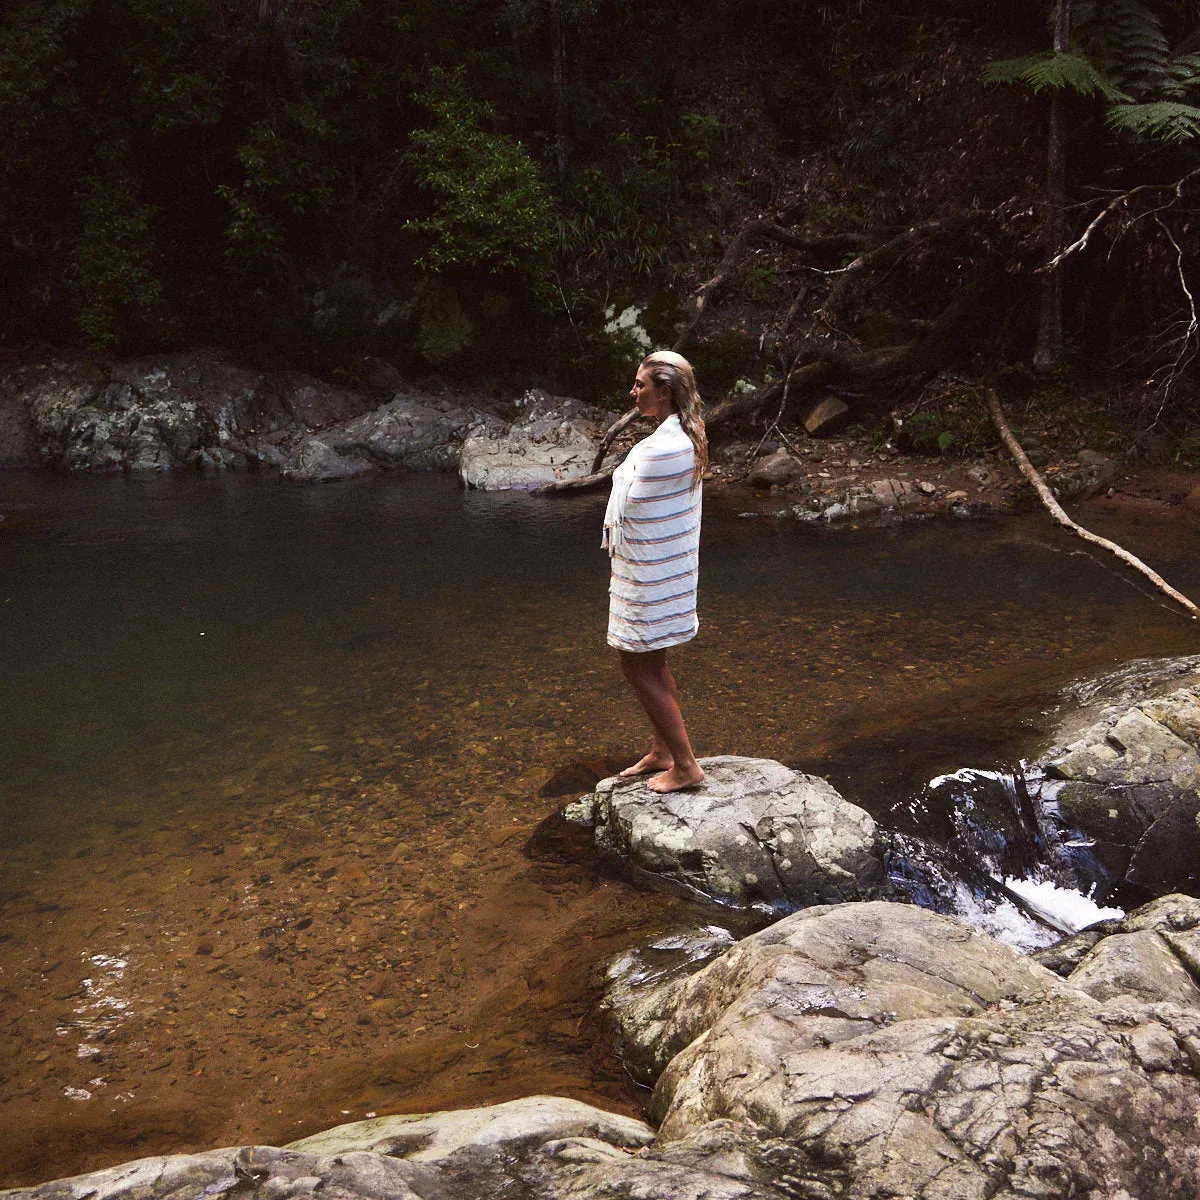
x: 199, y: 410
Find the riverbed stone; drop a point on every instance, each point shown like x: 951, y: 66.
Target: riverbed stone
x: 898, y: 1053
x: 775, y: 469
x: 826, y: 417
x: 552, y: 438
x: 756, y: 833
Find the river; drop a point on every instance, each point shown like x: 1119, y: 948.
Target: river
x: 275, y: 767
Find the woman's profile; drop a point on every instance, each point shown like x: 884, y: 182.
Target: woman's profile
x: 652, y: 534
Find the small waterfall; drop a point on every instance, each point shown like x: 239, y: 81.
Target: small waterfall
x: 997, y: 860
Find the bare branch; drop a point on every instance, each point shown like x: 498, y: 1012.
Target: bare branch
x: 756, y: 228
x: 1107, y: 211
x: 1060, y: 517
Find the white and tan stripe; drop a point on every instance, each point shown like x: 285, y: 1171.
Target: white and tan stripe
x: 655, y: 566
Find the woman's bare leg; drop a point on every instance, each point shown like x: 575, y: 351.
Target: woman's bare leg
x: 654, y: 685
x: 658, y: 758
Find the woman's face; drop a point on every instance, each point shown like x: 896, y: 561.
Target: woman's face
x: 652, y: 400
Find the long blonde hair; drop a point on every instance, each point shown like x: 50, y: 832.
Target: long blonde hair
x: 674, y: 372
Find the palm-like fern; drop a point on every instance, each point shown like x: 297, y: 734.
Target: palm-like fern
x: 1123, y: 54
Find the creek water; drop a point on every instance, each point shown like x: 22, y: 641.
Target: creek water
x: 276, y: 766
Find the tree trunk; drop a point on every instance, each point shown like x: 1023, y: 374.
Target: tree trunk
x: 559, y: 70
x: 1049, y: 346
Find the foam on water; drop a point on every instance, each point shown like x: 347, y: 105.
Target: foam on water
x: 1071, y: 907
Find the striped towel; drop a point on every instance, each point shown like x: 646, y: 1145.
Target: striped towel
x: 652, y: 534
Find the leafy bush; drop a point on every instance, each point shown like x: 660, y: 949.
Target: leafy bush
x: 490, y: 209
x: 114, y: 275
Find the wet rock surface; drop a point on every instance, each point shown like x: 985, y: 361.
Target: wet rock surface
x: 897, y: 1053
x: 541, y: 1146
x: 861, y: 1051
x: 552, y: 438
x: 756, y: 833
x: 1126, y: 774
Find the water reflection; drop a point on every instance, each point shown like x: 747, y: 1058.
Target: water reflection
x: 273, y: 757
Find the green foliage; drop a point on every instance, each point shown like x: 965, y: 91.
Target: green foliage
x: 952, y: 420
x: 491, y: 208
x: 1122, y: 54
x: 1164, y: 120
x: 113, y: 270
x: 1050, y: 70
x: 286, y: 174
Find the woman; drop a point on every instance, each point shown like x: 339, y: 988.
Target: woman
x: 652, y: 534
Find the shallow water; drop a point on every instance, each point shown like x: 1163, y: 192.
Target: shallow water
x: 274, y: 762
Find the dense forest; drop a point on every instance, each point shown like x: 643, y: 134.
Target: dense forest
x: 821, y: 194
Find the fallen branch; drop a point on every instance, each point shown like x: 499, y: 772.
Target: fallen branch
x: 614, y: 431
x: 581, y: 483
x: 844, y: 277
x: 1056, y: 510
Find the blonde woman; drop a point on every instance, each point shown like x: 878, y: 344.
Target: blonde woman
x: 652, y: 534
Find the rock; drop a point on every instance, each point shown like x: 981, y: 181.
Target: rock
x: 827, y: 417
x: 553, y: 438
x: 315, y: 461
x: 544, y: 1147
x: 778, y: 468
x: 755, y: 834
x: 18, y: 432
x: 1131, y: 779
x: 170, y: 411
x: 430, y: 1137
x: 1139, y: 964
x: 407, y: 432
x: 882, y: 1050
x: 892, y: 493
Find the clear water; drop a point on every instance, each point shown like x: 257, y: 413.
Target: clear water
x: 274, y: 764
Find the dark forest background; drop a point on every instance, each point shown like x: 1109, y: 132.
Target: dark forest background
x: 475, y: 188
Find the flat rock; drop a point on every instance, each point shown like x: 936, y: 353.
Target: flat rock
x: 755, y: 833
x: 826, y: 417
x: 431, y: 1137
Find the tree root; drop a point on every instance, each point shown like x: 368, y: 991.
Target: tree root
x: 1056, y: 511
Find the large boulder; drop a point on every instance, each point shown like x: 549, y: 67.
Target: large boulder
x: 1125, y: 771
x: 407, y: 432
x: 755, y: 834
x: 552, y: 438
x: 895, y: 1052
x: 169, y: 411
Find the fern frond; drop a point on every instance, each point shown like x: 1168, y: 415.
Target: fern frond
x: 1166, y: 120
x: 1041, y: 71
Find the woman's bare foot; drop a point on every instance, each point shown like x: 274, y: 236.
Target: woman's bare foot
x: 654, y: 761
x: 675, y: 779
